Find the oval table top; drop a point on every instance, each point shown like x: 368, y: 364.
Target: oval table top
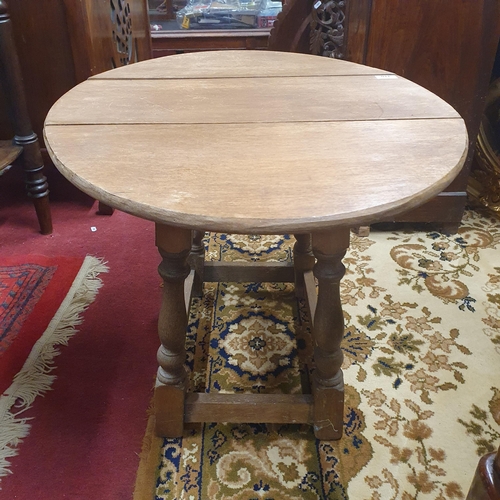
x: 255, y: 141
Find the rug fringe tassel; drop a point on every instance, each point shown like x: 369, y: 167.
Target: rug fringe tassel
x: 34, y: 378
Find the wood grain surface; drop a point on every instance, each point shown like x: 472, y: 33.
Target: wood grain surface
x: 235, y: 100
x: 8, y: 153
x: 237, y: 64
x: 278, y: 142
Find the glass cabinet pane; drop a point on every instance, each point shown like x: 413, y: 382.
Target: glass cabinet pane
x: 183, y: 15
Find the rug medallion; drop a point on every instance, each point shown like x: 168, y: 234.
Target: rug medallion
x: 421, y: 357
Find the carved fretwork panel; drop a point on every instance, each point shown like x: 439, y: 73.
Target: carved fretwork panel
x: 328, y: 21
x: 123, y: 42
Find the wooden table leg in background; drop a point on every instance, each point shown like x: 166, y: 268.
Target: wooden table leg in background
x: 197, y: 262
x: 303, y: 260
x: 329, y: 248
x: 486, y: 482
x: 174, y: 245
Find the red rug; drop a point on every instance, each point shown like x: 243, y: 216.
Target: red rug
x: 86, y: 432
x: 41, y: 301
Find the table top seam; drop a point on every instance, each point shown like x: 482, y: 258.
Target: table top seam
x: 254, y: 122
x: 252, y: 77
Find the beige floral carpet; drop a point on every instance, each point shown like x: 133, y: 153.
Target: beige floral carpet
x: 422, y: 373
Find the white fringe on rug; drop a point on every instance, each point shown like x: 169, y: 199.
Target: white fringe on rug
x: 35, y: 376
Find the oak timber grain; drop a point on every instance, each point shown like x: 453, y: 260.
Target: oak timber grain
x: 237, y: 64
x: 233, y: 100
x: 220, y: 154
x: 174, y: 245
x: 328, y: 412
x: 169, y: 410
x: 329, y: 248
x: 248, y: 408
x: 164, y: 172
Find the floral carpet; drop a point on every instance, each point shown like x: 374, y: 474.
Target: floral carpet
x: 421, y: 367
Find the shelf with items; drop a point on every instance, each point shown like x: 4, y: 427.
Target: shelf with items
x: 202, y: 15
x: 177, y: 42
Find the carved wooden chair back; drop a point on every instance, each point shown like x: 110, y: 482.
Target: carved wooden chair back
x: 310, y: 27
x: 25, y: 146
x: 115, y: 33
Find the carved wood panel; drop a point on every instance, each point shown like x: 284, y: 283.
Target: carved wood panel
x: 122, y: 34
x: 328, y: 19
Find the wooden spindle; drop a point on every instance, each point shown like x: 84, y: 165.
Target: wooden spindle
x: 174, y: 245
x: 329, y: 248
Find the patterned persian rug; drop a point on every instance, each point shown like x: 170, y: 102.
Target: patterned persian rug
x: 422, y: 373
x: 41, y: 302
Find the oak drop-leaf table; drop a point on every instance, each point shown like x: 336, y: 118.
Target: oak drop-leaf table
x: 255, y: 142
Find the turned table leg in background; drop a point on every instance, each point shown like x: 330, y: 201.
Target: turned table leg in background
x: 486, y: 482
x: 197, y: 262
x: 303, y: 261
x: 174, y: 245
x: 329, y: 248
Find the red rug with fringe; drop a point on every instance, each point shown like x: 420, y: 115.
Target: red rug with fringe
x: 87, y: 431
x: 31, y: 290
x: 41, y: 302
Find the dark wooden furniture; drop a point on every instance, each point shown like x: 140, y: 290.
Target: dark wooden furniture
x: 484, y: 180
x: 63, y: 42
x: 170, y: 39
x: 447, y: 47
x: 24, y: 147
x: 244, y: 141
x: 179, y: 42
x: 486, y: 482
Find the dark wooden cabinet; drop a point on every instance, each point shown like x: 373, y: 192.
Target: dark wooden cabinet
x: 178, y: 42
x: 447, y: 46
x: 63, y: 42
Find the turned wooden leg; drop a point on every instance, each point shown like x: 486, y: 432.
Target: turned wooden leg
x: 329, y: 248
x: 486, y: 482
x: 303, y: 260
x: 197, y: 262
x: 11, y: 82
x: 362, y: 231
x: 174, y: 245
x: 103, y: 209
x: 35, y: 181
x: 449, y: 228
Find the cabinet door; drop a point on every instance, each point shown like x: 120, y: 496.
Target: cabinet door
x: 447, y: 46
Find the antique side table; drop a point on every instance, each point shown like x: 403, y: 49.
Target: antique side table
x: 255, y: 142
